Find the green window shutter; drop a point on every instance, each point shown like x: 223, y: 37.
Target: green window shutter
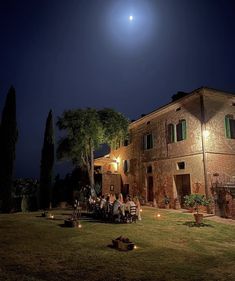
x: 184, y: 129
x: 169, y: 136
x: 145, y: 142
x: 179, y: 132
x: 174, y: 133
x: 171, y: 133
x: 227, y: 127
x: 232, y: 128
x: 126, y: 166
x: 151, y: 141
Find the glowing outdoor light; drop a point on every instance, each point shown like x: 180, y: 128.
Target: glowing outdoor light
x: 135, y: 247
x: 131, y: 18
x: 118, y: 160
x: 141, y: 210
x: 206, y: 133
x: 79, y: 226
x: 158, y: 215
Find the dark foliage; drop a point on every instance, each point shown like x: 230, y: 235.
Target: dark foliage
x: 70, y: 186
x: 25, y: 195
x: 8, y: 139
x: 47, y: 163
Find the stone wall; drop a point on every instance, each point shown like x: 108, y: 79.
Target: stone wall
x: 164, y: 157
x: 111, y: 183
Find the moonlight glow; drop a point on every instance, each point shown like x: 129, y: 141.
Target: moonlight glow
x: 131, y: 26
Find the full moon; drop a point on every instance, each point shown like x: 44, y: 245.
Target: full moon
x: 131, y: 18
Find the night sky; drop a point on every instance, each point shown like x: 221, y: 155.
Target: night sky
x: 65, y: 54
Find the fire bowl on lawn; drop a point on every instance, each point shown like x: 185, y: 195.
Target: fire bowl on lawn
x: 123, y: 244
x: 71, y: 223
x: 48, y: 215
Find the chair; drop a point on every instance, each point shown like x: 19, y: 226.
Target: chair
x: 132, y: 216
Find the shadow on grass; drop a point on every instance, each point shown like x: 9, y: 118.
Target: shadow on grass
x: 194, y: 224
x: 55, y: 219
x: 47, y: 218
x: 64, y: 226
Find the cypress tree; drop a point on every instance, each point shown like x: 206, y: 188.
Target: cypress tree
x: 47, y: 163
x: 8, y: 139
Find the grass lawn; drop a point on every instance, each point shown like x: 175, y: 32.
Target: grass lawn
x: 35, y: 248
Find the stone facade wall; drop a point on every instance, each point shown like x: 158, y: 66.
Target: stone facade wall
x: 111, y: 183
x: 217, y: 107
x: 164, y: 157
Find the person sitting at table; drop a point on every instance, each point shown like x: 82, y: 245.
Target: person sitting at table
x: 120, y: 198
x: 102, y: 202
x: 112, y: 198
x: 138, y: 207
x: 129, y: 204
x: 108, y: 207
x: 117, y: 209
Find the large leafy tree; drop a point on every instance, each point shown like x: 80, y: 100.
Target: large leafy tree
x: 83, y: 134
x: 85, y: 130
x: 8, y: 139
x: 115, y: 126
x: 47, y: 163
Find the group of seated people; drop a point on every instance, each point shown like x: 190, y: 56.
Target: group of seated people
x: 112, y: 207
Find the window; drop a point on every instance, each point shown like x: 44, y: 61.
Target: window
x: 148, y: 141
x: 126, y: 142
x: 126, y: 166
x: 181, y: 130
x: 229, y: 127
x: 149, y: 169
x: 180, y: 165
x: 170, y: 133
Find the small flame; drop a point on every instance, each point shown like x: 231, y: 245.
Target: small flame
x: 79, y: 226
x: 158, y: 215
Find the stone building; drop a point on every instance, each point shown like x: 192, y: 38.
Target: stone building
x: 186, y: 146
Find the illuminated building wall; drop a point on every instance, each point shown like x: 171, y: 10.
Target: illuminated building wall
x: 177, y: 149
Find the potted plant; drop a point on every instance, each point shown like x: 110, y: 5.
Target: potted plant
x: 195, y: 201
x: 166, y: 201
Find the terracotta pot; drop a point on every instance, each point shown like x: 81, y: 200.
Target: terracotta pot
x: 191, y: 210
x: 177, y: 204
x: 198, y: 218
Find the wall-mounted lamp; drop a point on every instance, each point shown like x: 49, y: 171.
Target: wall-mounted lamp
x: 206, y: 133
x: 117, y: 161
